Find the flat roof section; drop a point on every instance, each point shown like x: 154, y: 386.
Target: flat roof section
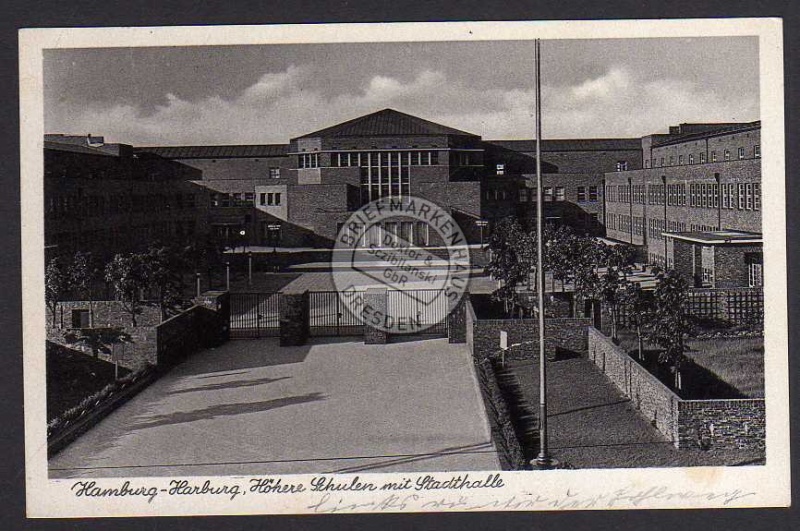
x: 718, y: 237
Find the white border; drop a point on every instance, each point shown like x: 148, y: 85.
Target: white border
x: 770, y: 483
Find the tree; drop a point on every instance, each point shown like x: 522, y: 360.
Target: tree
x: 509, y: 264
x: 557, y: 252
x: 639, y: 308
x: 162, y: 269
x: 127, y: 276
x: 56, y: 284
x: 82, y: 274
x: 98, y: 339
x: 670, y: 322
x: 611, y: 287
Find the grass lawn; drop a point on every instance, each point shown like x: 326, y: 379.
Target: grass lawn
x: 739, y: 362
x: 72, y: 376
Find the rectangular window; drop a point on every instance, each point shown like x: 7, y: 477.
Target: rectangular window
x: 727, y: 154
x: 680, y: 159
x: 274, y: 173
x: 702, y: 158
x: 713, y: 156
x: 756, y: 196
x: 749, y: 195
x: 691, y: 158
x: 581, y: 194
x: 755, y: 269
x: 262, y: 199
x: 671, y: 160
x: 80, y: 318
x: 662, y: 161
x: 523, y: 195
x: 725, y: 201
x: 277, y: 198
x: 714, y: 195
x: 622, y: 165
x: 741, y: 196
x: 270, y: 199
x: 593, y: 194
x: 249, y: 197
x: 548, y: 193
x: 501, y: 169
x: 560, y: 193
x: 757, y: 151
x: 741, y: 153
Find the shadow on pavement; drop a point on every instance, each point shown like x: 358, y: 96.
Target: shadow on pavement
x: 208, y: 413
x: 227, y: 385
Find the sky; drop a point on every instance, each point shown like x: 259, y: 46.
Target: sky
x: 267, y: 94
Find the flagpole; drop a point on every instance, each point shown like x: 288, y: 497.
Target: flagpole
x: 543, y: 460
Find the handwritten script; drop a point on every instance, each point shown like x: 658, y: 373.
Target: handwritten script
x: 431, y: 492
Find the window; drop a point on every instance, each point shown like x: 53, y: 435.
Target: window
x: 702, y: 158
x: 755, y: 269
x: 237, y: 197
x: 741, y: 153
x: 725, y: 200
x: 691, y: 158
x: 523, y: 195
x: 560, y: 193
x: 80, y: 318
x: 622, y: 165
x: 309, y: 160
x: 662, y: 161
x: 749, y: 195
x: 262, y: 199
x: 249, y: 197
x: 548, y: 193
x: 594, y: 218
x: 756, y: 196
x: 671, y: 160
x: 713, y: 156
x: 727, y: 154
x: 501, y: 169
x: 680, y: 159
x: 593, y: 194
x: 741, y: 190
x: 274, y: 173
x: 581, y: 194
x: 757, y: 151
x: 277, y: 198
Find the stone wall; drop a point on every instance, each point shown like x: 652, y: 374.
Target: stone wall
x: 294, y: 318
x: 652, y: 398
x: 562, y: 336
x: 375, y: 302
x: 726, y: 424
x: 722, y: 423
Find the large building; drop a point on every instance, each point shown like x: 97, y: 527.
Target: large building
x: 690, y: 198
x: 696, y: 203
x: 301, y: 193
x: 104, y: 198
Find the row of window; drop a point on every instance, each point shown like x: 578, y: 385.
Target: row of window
x: 77, y: 205
x: 269, y: 199
x: 113, y: 234
x: 741, y: 154
x: 742, y: 196
x: 231, y: 200
x: 384, y: 158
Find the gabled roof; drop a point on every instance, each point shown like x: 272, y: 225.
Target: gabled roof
x: 216, y: 152
x: 387, y: 122
x: 589, y: 144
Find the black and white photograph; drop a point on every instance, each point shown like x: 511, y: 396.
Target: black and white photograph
x: 404, y: 267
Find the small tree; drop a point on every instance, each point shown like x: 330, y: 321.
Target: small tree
x: 82, y: 274
x: 162, y: 271
x: 56, y: 284
x: 611, y: 288
x: 639, y: 309
x: 669, y: 323
x: 127, y: 276
x: 508, y: 264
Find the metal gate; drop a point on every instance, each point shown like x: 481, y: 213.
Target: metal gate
x: 255, y: 315
x: 424, y: 310
x: 329, y: 316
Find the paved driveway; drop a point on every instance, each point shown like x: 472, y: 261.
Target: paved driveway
x: 335, y: 405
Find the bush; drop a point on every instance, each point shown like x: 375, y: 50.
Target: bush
x: 59, y: 423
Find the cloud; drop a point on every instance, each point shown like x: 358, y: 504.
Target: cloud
x: 289, y: 103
